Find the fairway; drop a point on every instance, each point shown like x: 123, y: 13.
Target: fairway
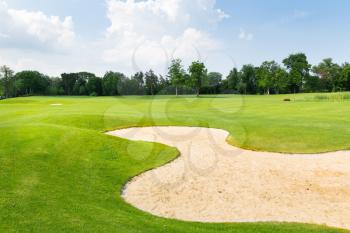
x: 60, y: 172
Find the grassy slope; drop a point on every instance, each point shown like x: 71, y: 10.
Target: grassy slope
x: 60, y: 173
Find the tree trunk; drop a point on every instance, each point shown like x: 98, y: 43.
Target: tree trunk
x: 176, y: 91
x: 197, y: 92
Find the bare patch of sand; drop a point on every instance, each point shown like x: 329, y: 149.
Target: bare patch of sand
x: 215, y: 182
x: 56, y: 104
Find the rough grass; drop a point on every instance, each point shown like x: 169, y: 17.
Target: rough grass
x: 60, y: 173
x: 332, y: 97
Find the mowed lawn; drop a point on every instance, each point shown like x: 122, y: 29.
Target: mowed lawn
x: 59, y: 172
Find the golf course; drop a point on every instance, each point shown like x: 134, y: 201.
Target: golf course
x: 60, y: 171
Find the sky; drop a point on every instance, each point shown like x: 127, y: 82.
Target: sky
x: 137, y: 35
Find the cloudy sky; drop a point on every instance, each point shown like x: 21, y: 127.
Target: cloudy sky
x: 131, y: 35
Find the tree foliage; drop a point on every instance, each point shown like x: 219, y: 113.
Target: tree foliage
x: 8, y: 82
x: 197, y: 73
x: 331, y: 75
x: 151, y: 81
x: 299, y: 68
x: 233, y: 79
x: 176, y: 74
x: 268, y: 78
x: 31, y: 83
x: 110, y: 83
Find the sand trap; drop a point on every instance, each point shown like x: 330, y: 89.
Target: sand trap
x: 216, y: 182
x: 56, y: 104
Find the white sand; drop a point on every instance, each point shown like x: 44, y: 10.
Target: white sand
x: 56, y: 104
x: 216, y: 182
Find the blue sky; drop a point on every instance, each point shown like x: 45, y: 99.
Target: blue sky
x: 97, y: 35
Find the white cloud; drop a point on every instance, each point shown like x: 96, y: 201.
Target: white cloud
x: 141, y: 35
x: 243, y: 35
x: 148, y: 34
x: 22, y: 28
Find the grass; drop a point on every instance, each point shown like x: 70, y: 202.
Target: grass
x: 332, y: 97
x: 60, y: 173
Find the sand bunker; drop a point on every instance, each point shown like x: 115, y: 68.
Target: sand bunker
x: 56, y: 104
x: 215, y: 182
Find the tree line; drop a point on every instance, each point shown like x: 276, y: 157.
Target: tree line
x: 295, y: 75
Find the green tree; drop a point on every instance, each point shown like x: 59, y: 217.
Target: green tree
x: 248, y: 83
x: 129, y: 86
x: 163, y: 84
x: 280, y: 80
x: 8, y: 81
x: 346, y: 75
x: 271, y: 78
x: 233, y: 79
x: 213, y: 79
x: 151, y: 81
x: 110, y: 83
x: 82, y: 84
x: 212, y: 83
x: 2, y: 94
x: 299, y: 68
x: 55, y: 87
x: 68, y: 81
x: 266, y: 76
x: 79, y: 87
x: 31, y: 83
x: 312, y: 84
x: 331, y: 74
x: 139, y: 83
x: 135, y: 85
x: 176, y: 74
x: 197, y: 72
x: 94, y: 86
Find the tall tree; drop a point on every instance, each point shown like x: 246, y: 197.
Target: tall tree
x: 163, y: 85
x: 212, y: 83
x: 55, y: 87
x: 151, y: 80
x: 8, y: 81
x: 197, y: 73
x: 266, y: 76
x: 330, y: 73
x: 68, y: 81
x: 31, y: 83
x: 176, y: 74
x: 271, y: 78
x: 299, y: 68
x: 94, y: 86
x: 110, y: 83
x: 248, y: 83
x: 2, y: 91
x: 346, y: 75
x: 280, y: 81
x: 140, y: 82
x: 214, y: 79
x: 312, y: 84
x: 233, y: 79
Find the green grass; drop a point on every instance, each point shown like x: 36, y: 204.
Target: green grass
x: 333, y: 97
x: 60, y: 173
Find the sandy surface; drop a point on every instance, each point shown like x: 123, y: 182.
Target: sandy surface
x: 215, y: 182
